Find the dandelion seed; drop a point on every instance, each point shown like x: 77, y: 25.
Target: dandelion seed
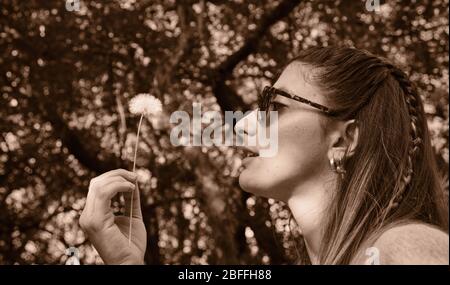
x: 145, y: 104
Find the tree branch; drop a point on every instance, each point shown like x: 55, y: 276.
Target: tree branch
x: 73, y: 139
x: 218, y: 76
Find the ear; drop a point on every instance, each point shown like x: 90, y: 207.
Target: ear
x: 343, y: 139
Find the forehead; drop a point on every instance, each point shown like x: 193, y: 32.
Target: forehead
x: 296, y: 79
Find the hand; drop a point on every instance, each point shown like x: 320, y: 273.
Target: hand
x: 109, y: 233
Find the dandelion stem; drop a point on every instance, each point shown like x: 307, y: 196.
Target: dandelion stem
x: 134, y: 171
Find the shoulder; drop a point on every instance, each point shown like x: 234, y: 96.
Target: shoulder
x: 414, y: 243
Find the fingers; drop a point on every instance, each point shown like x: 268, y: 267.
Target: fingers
x: 136, y: 205
x: 128, y: 175
x: 116, y: 185
x: 101, y: 190
x: 99, y: 223
x: 107, y: 185
x: 103, y: 193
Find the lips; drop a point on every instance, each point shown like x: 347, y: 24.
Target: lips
x: 246, y: 161
x: 250, y: 153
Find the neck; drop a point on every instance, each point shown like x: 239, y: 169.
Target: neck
x: 308, y: 204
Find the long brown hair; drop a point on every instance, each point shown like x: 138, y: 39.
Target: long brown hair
x: 392, y: 176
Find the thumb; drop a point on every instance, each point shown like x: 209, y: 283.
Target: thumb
x: 135, y: 205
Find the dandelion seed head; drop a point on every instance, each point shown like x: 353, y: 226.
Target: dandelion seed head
x: 146, y: 104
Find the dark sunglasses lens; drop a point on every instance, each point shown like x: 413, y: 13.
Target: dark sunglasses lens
x: 265, y: 106
x: 262, y: 99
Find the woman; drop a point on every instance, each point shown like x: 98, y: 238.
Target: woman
x: 354, y: 165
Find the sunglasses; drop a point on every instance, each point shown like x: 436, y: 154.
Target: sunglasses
x: 267, y: 105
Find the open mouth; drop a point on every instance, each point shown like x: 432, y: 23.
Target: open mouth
x: 249, y: 153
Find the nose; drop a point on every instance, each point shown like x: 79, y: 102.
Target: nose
x: 246, y: 130
x: 248, y: 124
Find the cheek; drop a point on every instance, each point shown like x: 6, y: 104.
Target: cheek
x: 302, y: 149
x: 301, y: 145
x: 301, y: 152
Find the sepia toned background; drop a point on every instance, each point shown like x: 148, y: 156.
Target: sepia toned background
x: 66, y: 78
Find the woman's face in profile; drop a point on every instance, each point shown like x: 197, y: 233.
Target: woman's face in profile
x: 302, y: 143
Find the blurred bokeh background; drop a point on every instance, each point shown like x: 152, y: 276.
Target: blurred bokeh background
x: 66, y: 78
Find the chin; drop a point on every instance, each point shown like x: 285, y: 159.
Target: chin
x: 248, y: 182
x: 243, y: 180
